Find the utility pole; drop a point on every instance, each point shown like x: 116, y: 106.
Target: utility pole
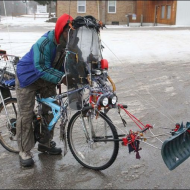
x: 103, y: 11
x: 26, y: 7
x: 25, y: 1
x: 49, y: 9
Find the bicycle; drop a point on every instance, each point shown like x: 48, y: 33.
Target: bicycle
x: 81, y: 133
x: 8, y: 106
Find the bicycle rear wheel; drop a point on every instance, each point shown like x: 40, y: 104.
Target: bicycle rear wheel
x: 97, y: 153
x: 8, y: 137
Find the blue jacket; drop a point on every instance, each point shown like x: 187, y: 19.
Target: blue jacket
x: 37, y: 63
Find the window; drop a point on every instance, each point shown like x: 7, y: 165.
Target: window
x: 163, y: 12
x: 168, y: 11
x: 111, y: 6
x: 81, y: 6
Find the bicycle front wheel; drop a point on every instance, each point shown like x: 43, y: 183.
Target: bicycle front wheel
x: 97, y: 151
x: 8, y: 137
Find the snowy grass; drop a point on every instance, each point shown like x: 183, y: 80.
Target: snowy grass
x: 26, y: 20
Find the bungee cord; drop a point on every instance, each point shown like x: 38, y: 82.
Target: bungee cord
x: 154, y: 107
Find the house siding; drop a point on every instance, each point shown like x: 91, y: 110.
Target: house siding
x: 183, y: 13
x: 63, y: 7
x: 98, y: 9
x: 122, y: 8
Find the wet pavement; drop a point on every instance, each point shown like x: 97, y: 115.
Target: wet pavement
x: 157, y: 93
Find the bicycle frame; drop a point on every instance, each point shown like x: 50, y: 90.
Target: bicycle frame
x: 56, y: 110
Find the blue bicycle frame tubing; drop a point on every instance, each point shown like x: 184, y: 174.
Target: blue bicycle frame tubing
x: 55, y: 110
x: 54, y: 107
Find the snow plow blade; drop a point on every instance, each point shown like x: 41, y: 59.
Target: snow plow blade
x: 176, y: 149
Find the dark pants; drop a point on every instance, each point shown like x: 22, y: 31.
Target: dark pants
x: 26, y: 103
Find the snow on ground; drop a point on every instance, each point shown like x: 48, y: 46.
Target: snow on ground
x: 25, y: 20
x: 147, y: 46
x: 121, y: 46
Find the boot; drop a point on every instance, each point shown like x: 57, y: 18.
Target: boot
x: 52, y: 149
x: 26, y: 159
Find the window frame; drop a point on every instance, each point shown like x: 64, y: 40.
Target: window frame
x: 80, y: 5
x: 109, y: 6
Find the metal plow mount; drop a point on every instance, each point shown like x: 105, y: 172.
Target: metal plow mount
x: 176, y: 149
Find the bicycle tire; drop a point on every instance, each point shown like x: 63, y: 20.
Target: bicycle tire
x: 75, y: 133
x: 8, y: 137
